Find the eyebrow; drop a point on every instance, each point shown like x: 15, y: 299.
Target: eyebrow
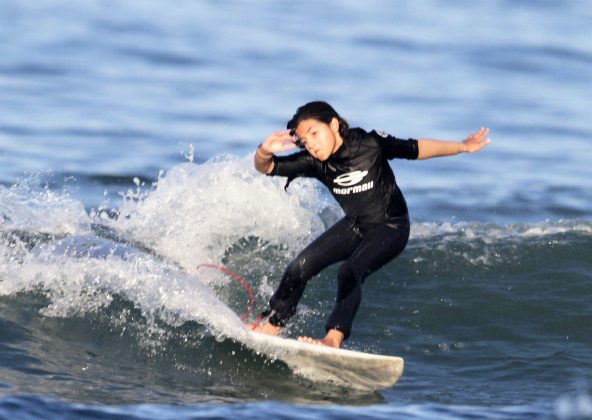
x: 310, y: 128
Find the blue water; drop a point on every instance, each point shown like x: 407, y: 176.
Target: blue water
x: 126, y: 138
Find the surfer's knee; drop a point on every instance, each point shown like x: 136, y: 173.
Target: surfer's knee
x: 346, y: 272
x: 305, y: 266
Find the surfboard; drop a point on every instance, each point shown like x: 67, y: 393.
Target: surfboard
x: 326, y: 364
x: 317, y: 363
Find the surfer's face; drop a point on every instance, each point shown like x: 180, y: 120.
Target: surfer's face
x: 320, y: 139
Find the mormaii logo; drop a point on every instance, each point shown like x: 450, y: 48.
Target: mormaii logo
x: 351, y: 178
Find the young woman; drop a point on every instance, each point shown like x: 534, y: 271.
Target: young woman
x: 353, y: 164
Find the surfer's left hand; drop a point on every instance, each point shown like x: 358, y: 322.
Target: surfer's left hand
x: 476, y: 141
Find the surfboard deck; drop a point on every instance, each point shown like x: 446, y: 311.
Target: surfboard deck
x: 326, y: 364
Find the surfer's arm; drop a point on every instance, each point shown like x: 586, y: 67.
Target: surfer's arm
x: 278, y: 142
x: 429, y: 148
x: 263, y: 161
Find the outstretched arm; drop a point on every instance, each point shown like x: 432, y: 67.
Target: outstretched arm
x: 429, y: 148
x: 277, y: 142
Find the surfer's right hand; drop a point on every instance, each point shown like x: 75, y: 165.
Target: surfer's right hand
x: 277, y: 142
x: 280, y: 141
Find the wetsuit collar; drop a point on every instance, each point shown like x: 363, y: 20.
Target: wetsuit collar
x: 342, y: 147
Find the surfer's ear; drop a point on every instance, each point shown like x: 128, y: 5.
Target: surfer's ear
x: 334, y: 125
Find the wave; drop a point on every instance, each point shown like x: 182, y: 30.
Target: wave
x: 223, y: 212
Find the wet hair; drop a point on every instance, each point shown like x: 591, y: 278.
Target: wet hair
x: 320, y: 111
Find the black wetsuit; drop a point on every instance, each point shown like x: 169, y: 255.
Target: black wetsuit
x: 375, y: 228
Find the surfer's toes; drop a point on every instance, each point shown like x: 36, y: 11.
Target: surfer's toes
x: 310, y: 341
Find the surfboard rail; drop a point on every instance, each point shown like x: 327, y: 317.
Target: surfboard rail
x: 326, y: 364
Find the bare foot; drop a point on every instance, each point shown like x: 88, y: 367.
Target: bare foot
x: 266, y: 328
x: 334, y: 338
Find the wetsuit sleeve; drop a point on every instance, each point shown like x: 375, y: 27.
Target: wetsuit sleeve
x: 294, y: 165
x: 393, y: 147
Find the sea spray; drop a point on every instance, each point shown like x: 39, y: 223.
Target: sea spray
x: 196, y: 213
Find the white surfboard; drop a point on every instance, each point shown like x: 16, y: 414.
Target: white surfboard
x: 318, y: 363
x: 326, y: 364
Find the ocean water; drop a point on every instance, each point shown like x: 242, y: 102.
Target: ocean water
x: 127, y: 131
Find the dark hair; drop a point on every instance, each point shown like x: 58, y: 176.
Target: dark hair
x: 320, y: 111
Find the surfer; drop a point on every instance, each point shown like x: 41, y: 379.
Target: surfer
x: 353, y: 164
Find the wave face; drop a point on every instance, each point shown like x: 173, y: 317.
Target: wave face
x: 106, y: 304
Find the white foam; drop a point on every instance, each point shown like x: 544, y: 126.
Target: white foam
x: 480, y: 244
x: 491, y: 232
x: 29, y: 209
x: 191, y: 216
x: 196, y: 212
x: 79, y: 283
